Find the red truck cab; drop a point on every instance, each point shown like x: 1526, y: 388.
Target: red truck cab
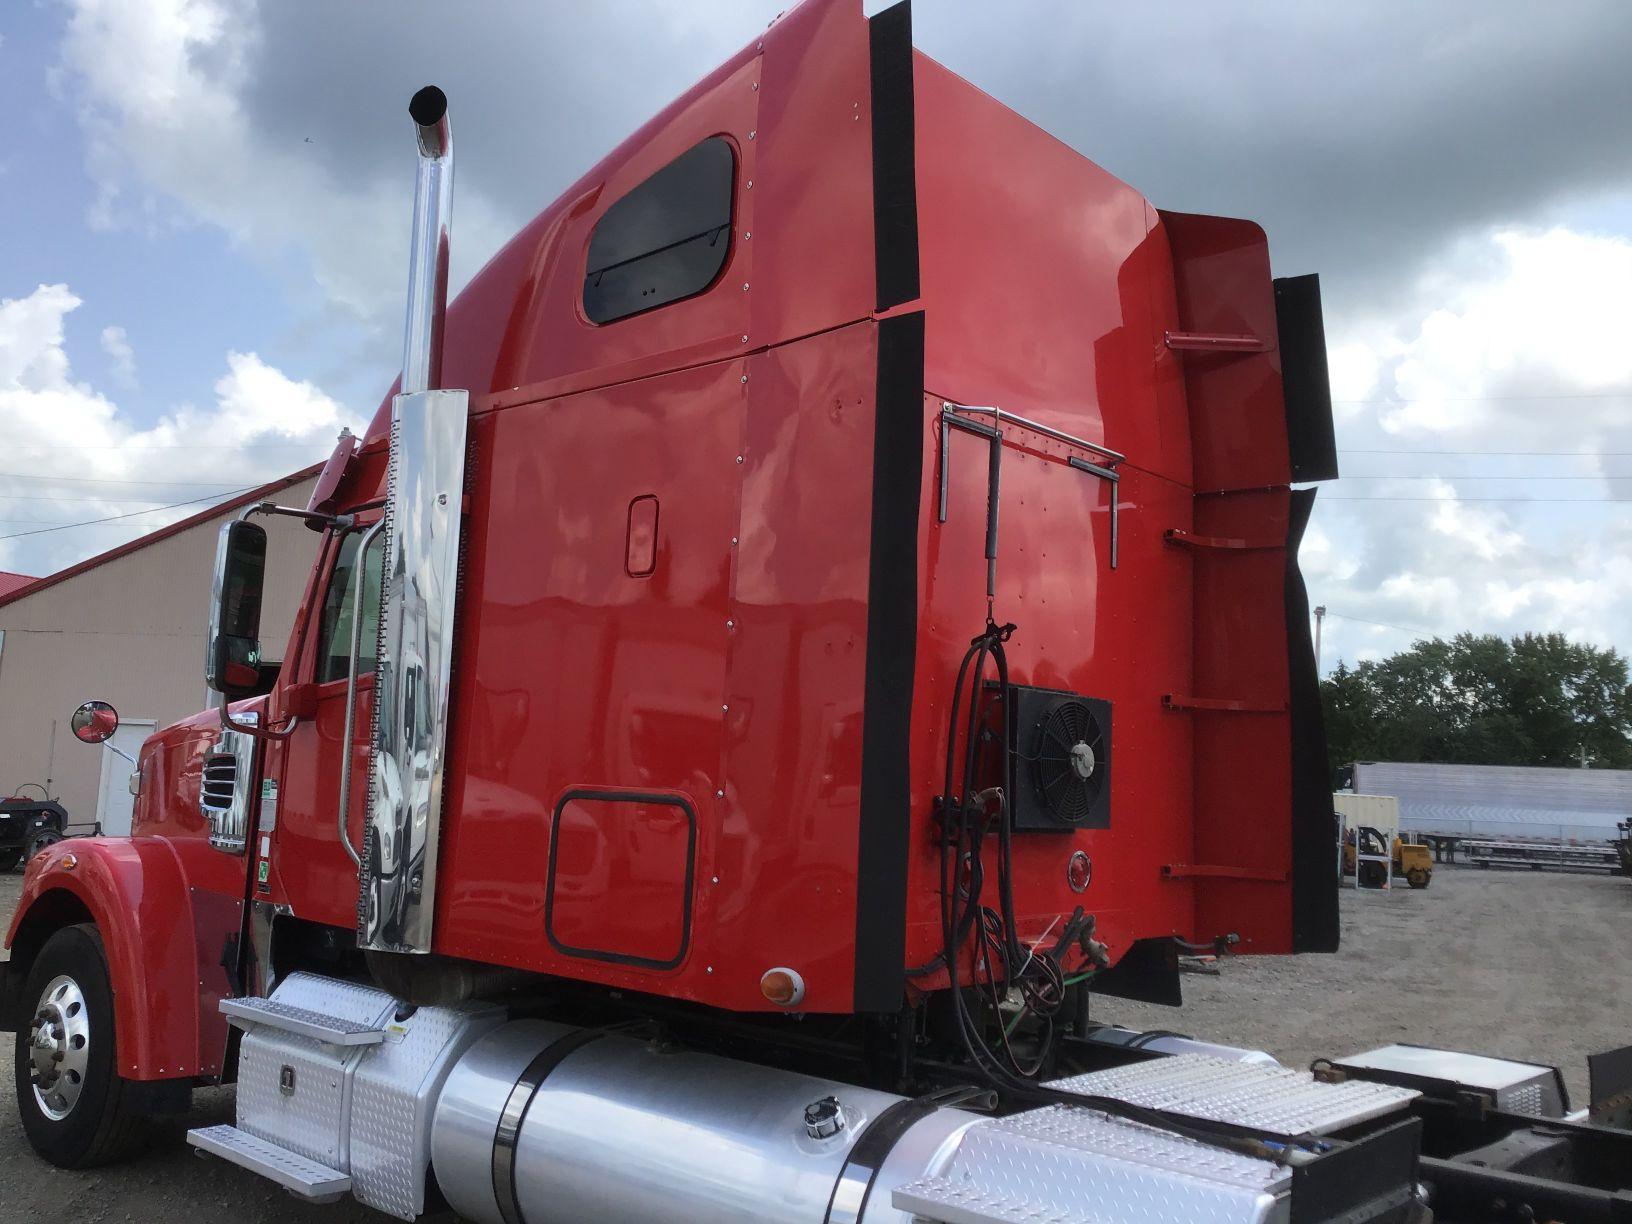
x: 828, y: 623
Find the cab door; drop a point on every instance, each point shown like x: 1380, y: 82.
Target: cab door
x: 306, y: 866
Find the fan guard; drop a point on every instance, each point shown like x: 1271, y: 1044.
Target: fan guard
x: 1069, y: 762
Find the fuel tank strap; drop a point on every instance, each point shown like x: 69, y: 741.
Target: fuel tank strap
x: 867, y: 1156
x: 514, y: 1113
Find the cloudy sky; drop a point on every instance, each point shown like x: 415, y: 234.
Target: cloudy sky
x: 204, y: 207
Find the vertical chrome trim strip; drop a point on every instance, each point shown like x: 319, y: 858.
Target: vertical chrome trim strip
x: 418, y: 591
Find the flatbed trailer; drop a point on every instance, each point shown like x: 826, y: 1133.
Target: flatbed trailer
x: 1539, y: 854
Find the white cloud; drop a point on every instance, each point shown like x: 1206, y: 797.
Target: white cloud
x: 1321, y: 559
x: 1516, y: 344
x: 117, y: 346
x: 1550, y: 311
x: 299, y: 151
x: 71, y: 456
x: 1471, y: 530
x: 158, y: 85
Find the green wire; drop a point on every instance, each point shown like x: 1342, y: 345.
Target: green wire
x: 1021, y: 1014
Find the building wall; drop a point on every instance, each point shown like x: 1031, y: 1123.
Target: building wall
x: 130, y: 631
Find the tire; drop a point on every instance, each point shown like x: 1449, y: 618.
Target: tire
x: 40, y: 840
x: 1418, y: 877
x: 9, y: 859
x: 73, y: 1124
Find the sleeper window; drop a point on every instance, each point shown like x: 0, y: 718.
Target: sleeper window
x: 666, y: 240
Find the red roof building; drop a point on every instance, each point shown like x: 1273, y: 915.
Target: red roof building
x: 126, y: 626
x: 11, y: 583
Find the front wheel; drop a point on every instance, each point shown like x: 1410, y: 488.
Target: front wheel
x: 1418, y: 877
x: 70, y: 1095
x: 9, y: 859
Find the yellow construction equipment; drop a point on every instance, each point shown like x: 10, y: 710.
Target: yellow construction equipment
x: 1410, y: 861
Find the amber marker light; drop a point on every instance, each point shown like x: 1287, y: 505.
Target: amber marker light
x: 784, y: 987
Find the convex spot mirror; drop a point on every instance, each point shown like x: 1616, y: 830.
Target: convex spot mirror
x: 94, y: 722
x: 232, y: 661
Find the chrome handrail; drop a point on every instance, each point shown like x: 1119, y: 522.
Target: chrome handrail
x: 999, y: 415
x: 350, y: 722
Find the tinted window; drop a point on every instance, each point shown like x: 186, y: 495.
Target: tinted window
x: 334, y: 635
x: 666, y: 240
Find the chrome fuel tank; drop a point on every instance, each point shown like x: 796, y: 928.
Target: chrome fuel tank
x: 551, y: 1125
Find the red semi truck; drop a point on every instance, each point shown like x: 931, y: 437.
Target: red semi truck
x: 689, y: 790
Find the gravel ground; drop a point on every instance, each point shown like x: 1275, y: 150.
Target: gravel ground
x: 1519, y: 964
x: 1524, y: 964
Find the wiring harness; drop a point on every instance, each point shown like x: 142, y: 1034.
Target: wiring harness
x: 967, y: 820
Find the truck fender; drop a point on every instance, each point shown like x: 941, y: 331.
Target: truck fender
x: 136, y: 893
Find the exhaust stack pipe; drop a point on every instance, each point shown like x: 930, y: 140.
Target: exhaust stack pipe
x: 428, y: 259
x: 419, y: 533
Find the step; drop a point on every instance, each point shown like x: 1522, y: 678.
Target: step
x: 296, y: 1174
x: 1266, y: 1096
x: 331, y: 1030
x: 1063, y: 1165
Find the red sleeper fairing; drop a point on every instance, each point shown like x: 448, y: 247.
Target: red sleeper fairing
x: 752, y: 688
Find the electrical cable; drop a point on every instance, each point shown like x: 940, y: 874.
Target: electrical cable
x: 963, y: 822
x: 17, y: 535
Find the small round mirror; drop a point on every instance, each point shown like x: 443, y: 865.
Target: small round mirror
x: 95, y: 721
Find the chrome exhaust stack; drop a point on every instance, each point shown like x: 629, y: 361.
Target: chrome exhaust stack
x: 428, y: 258
x: 420, y: 530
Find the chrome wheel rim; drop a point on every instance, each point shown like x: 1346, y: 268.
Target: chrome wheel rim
x: 59, y: 1041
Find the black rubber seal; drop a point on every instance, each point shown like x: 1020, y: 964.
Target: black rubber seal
x: 1311, y: 441
x: 895, y: 178
x: 1314, y: 824
x: 623, y: 958
x: 892, y: 639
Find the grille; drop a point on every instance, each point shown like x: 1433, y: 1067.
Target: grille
x: 220, y: 782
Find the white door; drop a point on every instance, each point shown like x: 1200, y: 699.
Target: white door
x: 114, y: 801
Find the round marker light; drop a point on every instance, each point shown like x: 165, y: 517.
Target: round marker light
x: 784, y: 987
x: 1079, y: 871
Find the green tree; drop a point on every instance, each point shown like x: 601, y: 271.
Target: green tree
x: 1536, y: 699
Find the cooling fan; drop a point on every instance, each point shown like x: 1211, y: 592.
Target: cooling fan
x: 1062, y: 748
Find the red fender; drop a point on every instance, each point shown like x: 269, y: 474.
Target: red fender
x: 136, y: 892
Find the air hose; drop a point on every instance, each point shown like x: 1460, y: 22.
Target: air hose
x: 965, y: 816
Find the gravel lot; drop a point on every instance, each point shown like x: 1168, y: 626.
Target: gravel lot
x: 1525, y: 964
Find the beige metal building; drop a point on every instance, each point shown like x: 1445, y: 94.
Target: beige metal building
x: 128, y: 627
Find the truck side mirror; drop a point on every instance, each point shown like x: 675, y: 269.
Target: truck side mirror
x: 94, y: 722
x: 232, y: 660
